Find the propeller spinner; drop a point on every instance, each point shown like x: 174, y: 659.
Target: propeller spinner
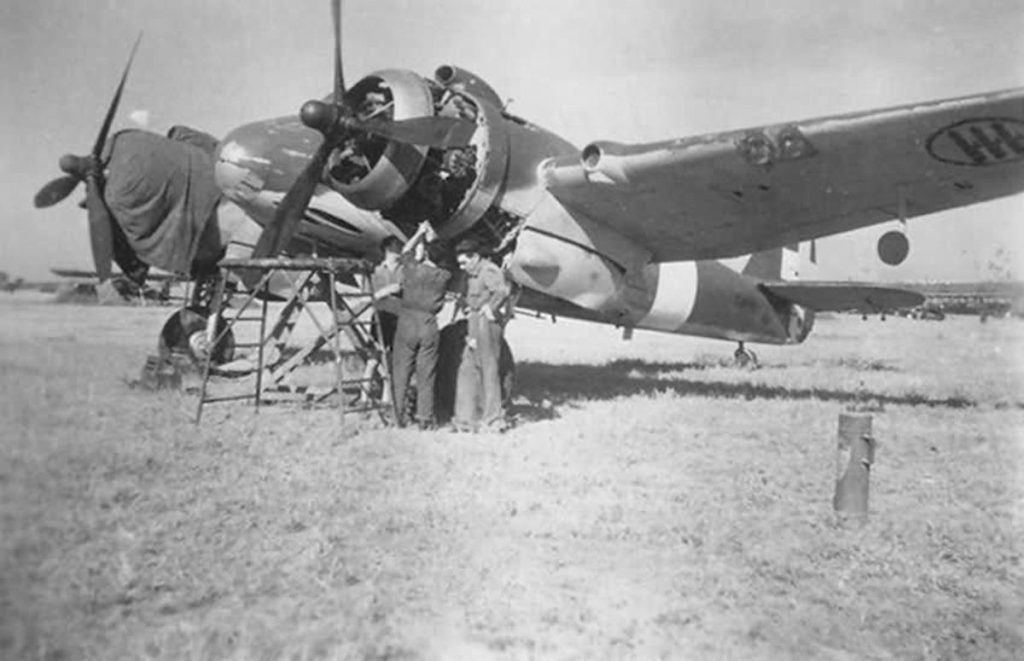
x: 337, y: 121
x: 87, y: 168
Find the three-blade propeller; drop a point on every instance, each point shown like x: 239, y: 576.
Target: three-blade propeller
x: 337, y: 121
x: 88, y: 169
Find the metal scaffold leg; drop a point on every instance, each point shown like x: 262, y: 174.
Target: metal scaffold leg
x: 352, y: 310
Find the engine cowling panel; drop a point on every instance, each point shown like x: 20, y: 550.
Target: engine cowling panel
x: 452, y: 188
x: 459, y: 79
x: 371, y: 172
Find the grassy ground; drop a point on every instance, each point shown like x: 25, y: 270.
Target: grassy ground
x: 652, y: 503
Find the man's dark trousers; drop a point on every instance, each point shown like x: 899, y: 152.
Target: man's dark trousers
x: 416, y: 342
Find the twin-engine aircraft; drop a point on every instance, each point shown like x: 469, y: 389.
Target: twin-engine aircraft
x: 697, y: 236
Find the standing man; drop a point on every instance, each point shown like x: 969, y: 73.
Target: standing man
x: 424, y: 284
x: 479, y: 385
x: 385, y: 284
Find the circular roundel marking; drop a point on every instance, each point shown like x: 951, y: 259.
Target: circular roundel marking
x: 893, y: 247
x: 978, y: 141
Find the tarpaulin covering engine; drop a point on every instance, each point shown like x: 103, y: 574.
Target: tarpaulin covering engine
x: 163, y: 194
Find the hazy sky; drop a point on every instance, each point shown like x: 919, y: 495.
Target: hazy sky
x: 642, y: 70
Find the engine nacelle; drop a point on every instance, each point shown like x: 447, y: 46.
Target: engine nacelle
x: 452, y: 188
x: 371, y: 172
x: 490, y: 153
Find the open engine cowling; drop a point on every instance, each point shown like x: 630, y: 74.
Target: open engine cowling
x: 451, y: 188
x: 371, y: 172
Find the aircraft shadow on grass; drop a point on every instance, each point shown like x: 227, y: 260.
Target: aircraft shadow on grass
x: 541, y: 389
x: 547, y: 387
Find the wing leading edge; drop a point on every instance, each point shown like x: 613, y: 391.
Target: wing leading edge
x: 738, y: 192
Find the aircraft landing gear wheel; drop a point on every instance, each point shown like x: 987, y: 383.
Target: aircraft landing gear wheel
x: 184, y: 334
x: 453, y: 341
x: 745, y: 357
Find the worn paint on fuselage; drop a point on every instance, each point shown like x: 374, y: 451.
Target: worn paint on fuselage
x: 265, y: 155
x: 257, y: 163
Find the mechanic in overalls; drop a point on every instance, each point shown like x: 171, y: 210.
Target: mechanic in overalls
x: 424, y: 284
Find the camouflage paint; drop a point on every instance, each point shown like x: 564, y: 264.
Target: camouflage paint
x: 572, y: 257
x: 564, y: 255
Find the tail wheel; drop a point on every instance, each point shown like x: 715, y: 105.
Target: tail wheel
x: 184, y: 334
x: 453, y: 342
x: 744, y: 357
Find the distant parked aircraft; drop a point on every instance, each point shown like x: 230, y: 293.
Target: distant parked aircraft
x: 126, y: 287
x: 985, y: 299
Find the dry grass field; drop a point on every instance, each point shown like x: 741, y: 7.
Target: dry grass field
x: 652, y: 503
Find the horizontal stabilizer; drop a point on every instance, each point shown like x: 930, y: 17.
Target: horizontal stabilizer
x: 840, y: 296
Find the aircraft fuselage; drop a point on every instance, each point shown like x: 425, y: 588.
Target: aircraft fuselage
x: 493, y: 190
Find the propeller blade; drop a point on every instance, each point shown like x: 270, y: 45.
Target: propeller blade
x: 55, y: 191
x: 289, y: 213
x: 339, y: 73
x: 101, y: 233
x: 101, y: 139
x: 434, y: 132
x: 335, y: 121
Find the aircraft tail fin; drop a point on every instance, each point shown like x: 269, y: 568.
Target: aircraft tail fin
x: 765, y: 265
x: 791, y: 262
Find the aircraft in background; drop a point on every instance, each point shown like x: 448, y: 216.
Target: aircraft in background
x: 993, y: 298
x: 156, y: 287
x: 13, y: 285
x: 84, y: 274
x: 10, y: 285
x: 695, y: 236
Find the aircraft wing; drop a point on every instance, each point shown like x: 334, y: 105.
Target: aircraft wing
x: 83, y: 274
x: 739, y: 192
x: 80, y: 274
x: 840, y: 296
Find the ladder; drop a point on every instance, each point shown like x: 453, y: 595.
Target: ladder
x: 351, y: 313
